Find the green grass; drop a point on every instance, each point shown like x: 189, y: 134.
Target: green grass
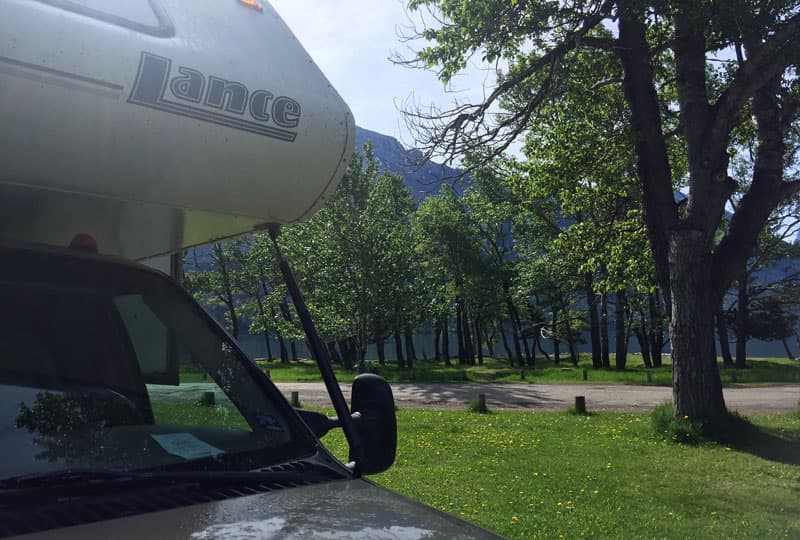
x: 761, y: 371
x: 553, y: 475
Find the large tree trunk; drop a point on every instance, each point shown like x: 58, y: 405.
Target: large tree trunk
x: 604, y: 342
x: 621, y: 356
x: 696, y: 385
x: 722, y: 334
x: 594, y: 322
x: 741, y: 322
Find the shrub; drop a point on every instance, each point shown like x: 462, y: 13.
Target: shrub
x: 729, y: 428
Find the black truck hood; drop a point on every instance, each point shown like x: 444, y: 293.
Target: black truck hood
x: 352, y: 509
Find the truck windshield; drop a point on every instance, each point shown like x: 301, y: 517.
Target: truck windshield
x: 104, y: 365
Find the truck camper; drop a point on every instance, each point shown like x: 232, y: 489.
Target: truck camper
x: 134, y: 129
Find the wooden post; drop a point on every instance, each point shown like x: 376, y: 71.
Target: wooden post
x: 580, y: 404
x: 585, y: 374
x: 733, y: 376
x: 648, y: 376
x: 295, y: 399
x: 207, y: 399
x: 481, y: 403
x: 522, y: 374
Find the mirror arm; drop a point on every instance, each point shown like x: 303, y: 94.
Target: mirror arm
x: 319, y: 352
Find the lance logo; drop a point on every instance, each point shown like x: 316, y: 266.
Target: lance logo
x: 213, y: 99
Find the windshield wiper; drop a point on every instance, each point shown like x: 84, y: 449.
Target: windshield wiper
x: 67, y: 476
x: 89, y: 477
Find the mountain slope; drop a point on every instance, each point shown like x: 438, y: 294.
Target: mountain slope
x: 422, y: 178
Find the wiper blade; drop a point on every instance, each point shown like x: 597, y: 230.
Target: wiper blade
x: 66, y: 476
x: 95, y: 477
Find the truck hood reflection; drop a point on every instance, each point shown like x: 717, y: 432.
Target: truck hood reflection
x: 352, y: 509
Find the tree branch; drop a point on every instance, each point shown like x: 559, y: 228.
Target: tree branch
x: 760, y: 67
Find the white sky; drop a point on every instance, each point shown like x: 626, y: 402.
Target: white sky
x: 351, y: 41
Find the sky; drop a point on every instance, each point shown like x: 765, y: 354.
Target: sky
x: 351, y: 41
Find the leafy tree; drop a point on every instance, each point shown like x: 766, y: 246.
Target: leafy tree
x: 215, y: 281
x: 353, y: 259
x: 694, y: 267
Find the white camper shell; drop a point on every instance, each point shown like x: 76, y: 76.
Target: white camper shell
x: 156, y: 125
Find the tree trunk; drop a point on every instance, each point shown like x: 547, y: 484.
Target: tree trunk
x: 460, y: 333
x: 556, y: 344
x: 573, y: 350
x: 347, y: 353
x: 786, y: 348
x: 604, y: 343
x: 489, y: 339
x: 263, y: 316
x: 282, y: 346
x: 741, y: 322
x: 696, y: 384
x: 380, y: 347
x: 722, y: 333
x: 478, y: 340
x: 621, y: 356
x: 515, y: 330
x: 293, y: 347
x: 398, y: 350
x: 505, y: 344
x: 656, y: 328
x: 594, y: 322
x: 446, y: 340
x: 269, y: 346
x: 411, y: 355
x: 644, y: 344
x: 538, y: 344
x: 529, y: 356
x: 437, y: 336
x: 333, y: 351
x: 469, y: 350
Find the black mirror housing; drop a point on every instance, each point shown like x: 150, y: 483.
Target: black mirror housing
x: 372, y: 398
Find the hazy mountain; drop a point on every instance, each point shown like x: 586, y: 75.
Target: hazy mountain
x: 423, y: 178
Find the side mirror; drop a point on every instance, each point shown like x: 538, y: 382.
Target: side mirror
x: 371, y: 397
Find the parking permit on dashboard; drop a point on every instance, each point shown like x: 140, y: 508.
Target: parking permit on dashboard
x: 186, y: 445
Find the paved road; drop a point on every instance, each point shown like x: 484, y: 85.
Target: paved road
x: 534, y: 397
x: 545, y: 397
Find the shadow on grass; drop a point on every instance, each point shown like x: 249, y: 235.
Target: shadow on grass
x: 781, y: 445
